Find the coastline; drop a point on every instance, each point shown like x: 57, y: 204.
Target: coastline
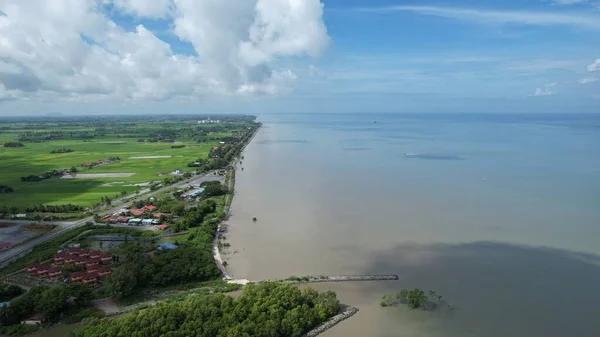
x: 219, y: 234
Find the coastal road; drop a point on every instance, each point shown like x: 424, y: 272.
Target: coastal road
x: 14, y: 253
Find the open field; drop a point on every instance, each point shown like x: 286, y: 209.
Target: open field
x: 148, y: 150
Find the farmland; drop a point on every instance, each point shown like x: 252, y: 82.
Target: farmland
x: 114, y: 156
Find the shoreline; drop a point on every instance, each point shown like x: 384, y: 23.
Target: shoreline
x: 215, y: 243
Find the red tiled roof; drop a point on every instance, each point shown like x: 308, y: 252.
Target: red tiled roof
x: 91, y: 276
x: 54, y: 270
x: 78, y: 275
x: 158, y: 215
x: 92, y: 268
x: 137, y: 212
x: 149, y: 208
x: 92, y: 261
x: 33, y: 266
x: 163, y: 226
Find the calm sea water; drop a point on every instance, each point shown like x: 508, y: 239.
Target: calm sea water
x: 498, y: 213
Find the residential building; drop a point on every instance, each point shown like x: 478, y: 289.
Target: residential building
x: 106, y: 258
x: 76, y: 277
x: 54, y: 273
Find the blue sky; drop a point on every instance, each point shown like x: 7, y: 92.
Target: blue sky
x: 378, y: 55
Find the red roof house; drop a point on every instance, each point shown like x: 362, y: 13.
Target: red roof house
x: 163, y: 227
x: 94, y: 254
x: 104, y: 271
x: 84, y: 253
x: 137, y: 212
x: 74, y: 250
x: 42, y: 270
x: 32, y: 267
x: 70, y: 258
x: 59, y: 258
x: 106, y: 258
x: 80, y: 261
x: 123, y: 219
x: 90, y: 278
x: 158, y: 215
x: 54, y: 272
x: 149, y: 208
x: 92, y: 262
x: 92, y: 268
x: 77, y: 276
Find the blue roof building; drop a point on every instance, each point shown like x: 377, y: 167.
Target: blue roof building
x: 167, y: 245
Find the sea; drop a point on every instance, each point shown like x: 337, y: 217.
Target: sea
x: 498, y: 213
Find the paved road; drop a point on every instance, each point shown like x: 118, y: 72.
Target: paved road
x: 17, y: 251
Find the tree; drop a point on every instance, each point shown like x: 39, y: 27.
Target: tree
x: 13, y: 210
x: 416, y: 298
x: 122, y: 282
x: 73, y: 169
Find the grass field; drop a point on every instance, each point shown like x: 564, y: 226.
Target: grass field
x: 35, y: 157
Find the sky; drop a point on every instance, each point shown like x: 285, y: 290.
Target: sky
x: 270, y: 56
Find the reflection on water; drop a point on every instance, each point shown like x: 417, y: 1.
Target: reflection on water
x: 467, y: 229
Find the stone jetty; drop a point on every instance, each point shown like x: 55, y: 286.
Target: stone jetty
x: 347, y: 313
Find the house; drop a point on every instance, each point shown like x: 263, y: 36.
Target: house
x: 21, y: 215
x: 106, y: 258
x: 137, y: 212
x: 92, y: 262
x: 54, y: 273
x: 80, y: 260
x: 90, y: 278
x: 163, y: 227
x: 42, y: 270
x: 59, y: 259
x: 34, y: 319
x: 134, y: 222
x: 74, y: 250
x: 147, y: 221
x: 167, y: 246
x: 5, y: 245
x: 70, y: 258
x: 104, y: 272
x: 177, y: 172
x: 149, y: 208
x: 84, y: 253
x: 94, y: 254
x: 123, y: 219
x: 158, y: 215
x: 77, y: 276
x: 32, y: 268
x: 92, y: 268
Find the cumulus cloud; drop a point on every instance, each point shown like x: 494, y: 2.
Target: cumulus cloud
x: 594, y: 66
x: 587, y: 80
x: 74, y: 49
x: 546, y: 90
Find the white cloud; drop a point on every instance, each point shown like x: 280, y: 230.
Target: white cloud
x: 482, y: 16
x: 145, y: 8
x: 587, y: 80
x: 72, y: 48
x: 594, y: 66
x: 546, y: 90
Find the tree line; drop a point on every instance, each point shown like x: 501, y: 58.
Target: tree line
x: 9, y: 291
x: 13, y: 144
x: 66, y: 208
x: 267, y: 309
x: 6, y: 189
x: 53, y: 302
x: 62, y: 150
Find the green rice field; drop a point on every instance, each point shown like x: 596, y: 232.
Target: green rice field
x: 121, y: 138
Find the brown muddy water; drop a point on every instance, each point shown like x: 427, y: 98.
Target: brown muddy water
x: 497, y: 223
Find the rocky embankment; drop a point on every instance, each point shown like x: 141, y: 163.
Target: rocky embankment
x: 347, y: 313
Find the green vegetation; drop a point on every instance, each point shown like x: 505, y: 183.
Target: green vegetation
x: 62, y: 150
x: 414, y: 299
x: 8, y: 292
x: 6, y: 189
x: 144, y: 145
x: 13, y: 144
x: 266, y: 309
x: 52, y: 302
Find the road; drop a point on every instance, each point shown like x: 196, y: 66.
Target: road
x: 18, y: 250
